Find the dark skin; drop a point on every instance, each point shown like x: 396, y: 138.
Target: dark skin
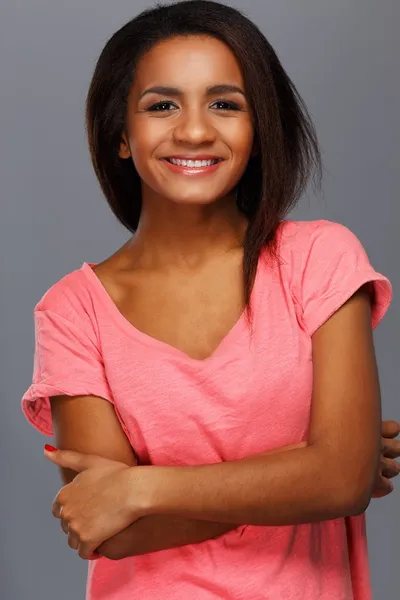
x: 389, y: 467
x: 188, y: 250
x: 159, y: 532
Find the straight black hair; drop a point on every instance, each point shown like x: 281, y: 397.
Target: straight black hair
x: 288, y: 152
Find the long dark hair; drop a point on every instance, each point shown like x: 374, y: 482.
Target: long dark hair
x: 288, y: 153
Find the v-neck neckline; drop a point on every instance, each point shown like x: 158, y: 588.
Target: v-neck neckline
x: 230, y: 338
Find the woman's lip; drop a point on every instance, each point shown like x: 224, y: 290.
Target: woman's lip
x: 199, y: 157
x: 192, y: 171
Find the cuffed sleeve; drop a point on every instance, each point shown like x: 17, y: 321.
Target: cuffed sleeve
x: 335, y: 267
x: 66, y: 362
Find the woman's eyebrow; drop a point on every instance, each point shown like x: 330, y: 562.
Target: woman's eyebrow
x: 222, y: 88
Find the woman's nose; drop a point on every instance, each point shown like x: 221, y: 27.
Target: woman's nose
x: 194, y: 128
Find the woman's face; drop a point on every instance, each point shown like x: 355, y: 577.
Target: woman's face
x: 188, y: 104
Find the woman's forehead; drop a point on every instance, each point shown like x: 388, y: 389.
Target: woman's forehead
x: 193, y: 61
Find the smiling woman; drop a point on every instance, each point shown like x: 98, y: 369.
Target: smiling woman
x: 212, y: 386
x: 200, y: 50
x: 171, y: 128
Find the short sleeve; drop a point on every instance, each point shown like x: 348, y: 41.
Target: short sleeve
x: 335, y: 266
x: 66, y: 362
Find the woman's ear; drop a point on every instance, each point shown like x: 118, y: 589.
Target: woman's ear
x: 124, y: 150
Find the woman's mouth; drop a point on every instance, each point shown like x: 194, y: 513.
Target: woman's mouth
x: 192, y: 166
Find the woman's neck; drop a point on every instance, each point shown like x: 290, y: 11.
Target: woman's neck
x: 185, y: 236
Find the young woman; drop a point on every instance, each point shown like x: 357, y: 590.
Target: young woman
x: 213, y: 382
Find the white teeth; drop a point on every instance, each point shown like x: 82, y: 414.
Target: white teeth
x: 192, y: 163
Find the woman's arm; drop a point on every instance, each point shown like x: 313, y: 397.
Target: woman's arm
x: 89, y: 424
x: 159, y: 532
x: 332, y: 477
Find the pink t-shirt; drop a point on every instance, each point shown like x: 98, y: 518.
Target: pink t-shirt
x: 252, y: 395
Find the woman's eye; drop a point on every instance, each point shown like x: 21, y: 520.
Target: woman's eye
x: 224, y: 105
x: 163, y: 106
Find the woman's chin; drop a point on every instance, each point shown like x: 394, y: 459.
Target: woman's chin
x: 194, y: 200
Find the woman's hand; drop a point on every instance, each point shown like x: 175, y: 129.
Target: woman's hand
x: 389, y: 467
x: 95, y: 505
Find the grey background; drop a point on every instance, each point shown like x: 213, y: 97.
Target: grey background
x: 342, y: 57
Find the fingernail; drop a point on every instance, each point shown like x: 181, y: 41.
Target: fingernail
x: 49, y: 448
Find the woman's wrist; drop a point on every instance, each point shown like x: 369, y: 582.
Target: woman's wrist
x: 148, y: 489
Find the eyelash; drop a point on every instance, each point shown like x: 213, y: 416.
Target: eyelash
x: 157, y: 107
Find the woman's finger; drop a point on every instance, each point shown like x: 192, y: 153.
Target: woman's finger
x: 65, y: 526
x: 85, y: 551
x: 391, y: 448
x: 382, y: 488
x: 76, y: 461
x: 390, y: 429
x: 73, y: 540
x: 389, y: 468
x: 56, y: 508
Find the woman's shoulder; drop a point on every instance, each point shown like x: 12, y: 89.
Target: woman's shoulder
x: 325, y: 263
x: 318, y: 242
x: 70, y: 296
x: 302, y: 234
